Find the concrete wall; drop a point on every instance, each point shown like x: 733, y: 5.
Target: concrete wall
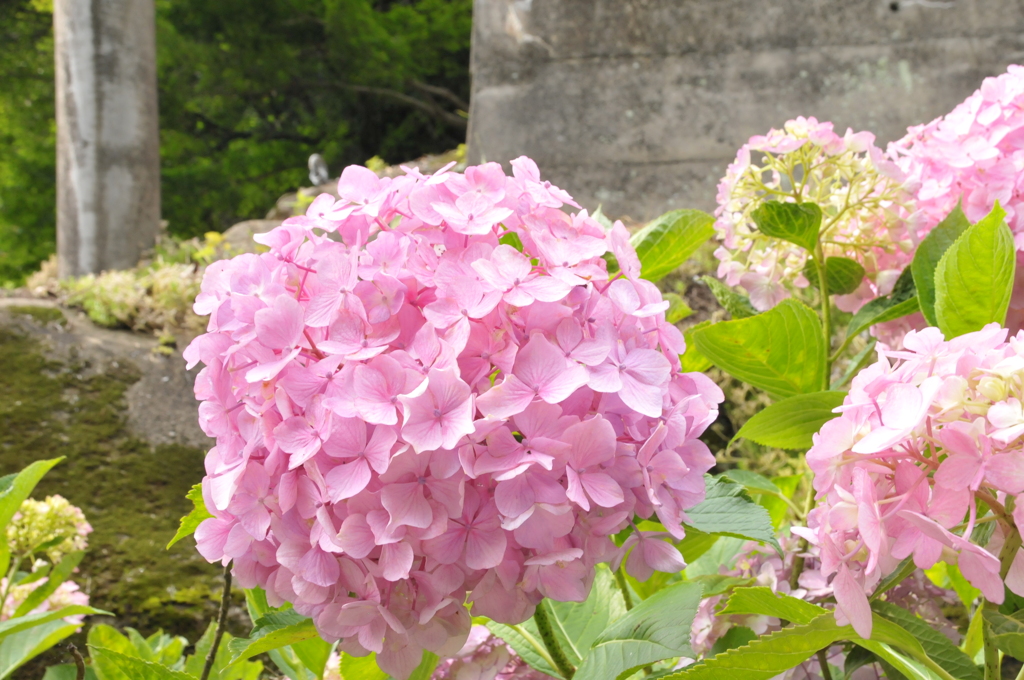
x: 108, y: 150
x: 640, y: 104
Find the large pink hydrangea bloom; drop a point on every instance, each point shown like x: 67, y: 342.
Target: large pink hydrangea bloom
x: 926, y: 436
x: 974, y: 155
x: 431, y: 393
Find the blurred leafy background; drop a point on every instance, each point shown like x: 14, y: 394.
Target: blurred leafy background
x: 248, y: 90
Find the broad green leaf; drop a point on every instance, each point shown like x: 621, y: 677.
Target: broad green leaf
x: 842, y: 274
x: 256, y: 603
x: 577, y: 624
x: 511, y: 238
x: 655, y: 629
x: 109, y: 637
x: 193, y: 519
x: 737, y: 636
x: 692, y: 361
x: 13, y: 494
x: 1007, y: 632
x: 111, y: 665
x: 974, y: 278
x: 695, y: 544
x: 361, y: 668
x: 763, y: 601
x: 797, y: 223
x: 769, y: 655
x: 947, y: 575
x: 736, y: 304
x: 886, y: 632
x: 878, y: 311
x: 12, y: 626
x: 791, y: 423
x: 727, y: 510
x: 895, y: 577
x: 17, y: 649
x: 778, y: 506
x: 781, y: 351
x: 668, y: 241
x: 677, y: 308
x: 753, y: 482
x: 313, y: 653
x: 935, y: 644
x: 68, y: 671
x: 426, y: 668
x: 286, y: 661
x: 59, y: 574
x: 528, y: 645
x: 928, y: 254
x: 276, y: 629
x: 717, y: 584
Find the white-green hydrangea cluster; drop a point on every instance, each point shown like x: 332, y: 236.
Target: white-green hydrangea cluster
x: 38, y: 526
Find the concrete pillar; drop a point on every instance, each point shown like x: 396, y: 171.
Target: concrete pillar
x: 108, y: 147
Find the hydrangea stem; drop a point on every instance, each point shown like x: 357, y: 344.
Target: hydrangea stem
x: 547, y: 634
x: 222, y: 620
x: 826, y: 312
x: 627, y: 597
x: 993, y: 666
x: 79, y: 662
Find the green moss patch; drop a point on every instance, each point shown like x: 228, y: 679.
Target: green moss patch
x: 44, y: 315
x: 132, y: 493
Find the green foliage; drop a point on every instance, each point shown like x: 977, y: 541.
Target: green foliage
x: 276, y: 629
x: 361, y: 668
x: 655, y: 629
x: 736, y: 304
x: 927, y: 257
x: 727, y: 510
x: 247, y: 91
x: 842, y: 274
x: 116, y: 656
x: 780, y: 351
x: 769, y: 655
x: 691, y: 359
x: 670, y: 240
x: 797, y: 223
x: 935, y: 644
x: 1007, y: 632
x: 974, y: 277
x: 790, y: 423
x: 28, y: 163
x: 192, y: 520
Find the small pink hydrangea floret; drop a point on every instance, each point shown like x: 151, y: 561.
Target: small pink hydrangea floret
x: 416, y: 420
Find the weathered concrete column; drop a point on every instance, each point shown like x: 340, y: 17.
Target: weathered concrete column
x: 108, y: 153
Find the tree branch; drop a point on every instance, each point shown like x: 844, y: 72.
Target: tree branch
x: 425, y: 106
x: 440, y: 92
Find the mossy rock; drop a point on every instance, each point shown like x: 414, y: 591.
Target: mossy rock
x: 132, y: 492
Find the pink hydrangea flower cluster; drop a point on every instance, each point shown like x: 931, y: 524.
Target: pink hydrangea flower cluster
x: 973, y: 156
x: 858, y: 189
x: 926, y: 450
x: 431, y: 392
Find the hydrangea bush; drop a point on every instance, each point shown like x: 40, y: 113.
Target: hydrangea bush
x: 450, y: 400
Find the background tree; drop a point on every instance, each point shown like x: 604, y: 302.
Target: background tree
x: 248, y: 90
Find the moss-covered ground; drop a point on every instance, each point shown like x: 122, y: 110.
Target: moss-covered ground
x: 132, y: 493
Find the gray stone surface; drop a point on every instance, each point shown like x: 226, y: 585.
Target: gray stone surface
x: 639, y: 105
x: 108, y: 149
